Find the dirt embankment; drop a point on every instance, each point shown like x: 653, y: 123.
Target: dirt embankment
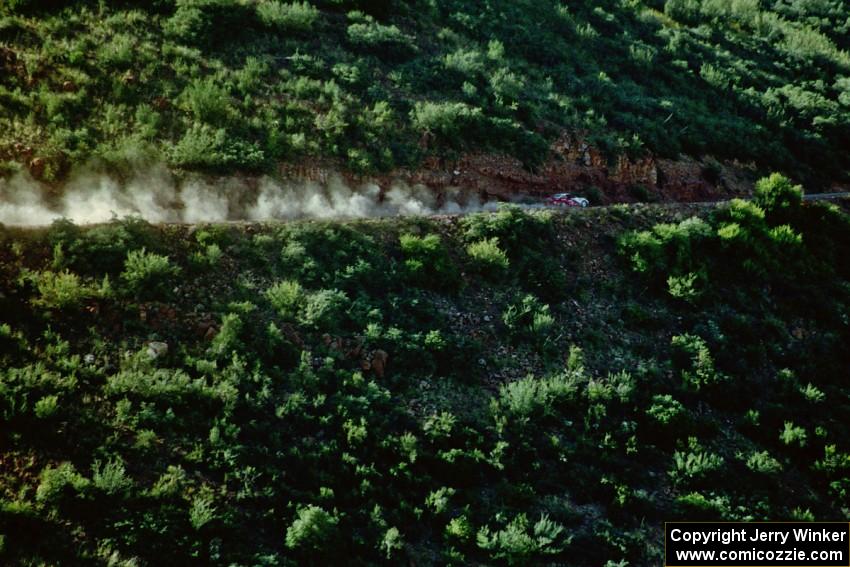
x: 573, y: 166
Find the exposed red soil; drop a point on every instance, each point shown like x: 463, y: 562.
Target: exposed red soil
x: 573, y: 166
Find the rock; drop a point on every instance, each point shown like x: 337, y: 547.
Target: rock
x: 88, y: 359
x: 37, y: 166
x: 211, y: 333
x: 69, y: 87
x: 379, y: 362
x: 157, y: 349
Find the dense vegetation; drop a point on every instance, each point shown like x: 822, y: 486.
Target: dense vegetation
x: 227, y: 85
x: 504, y: 388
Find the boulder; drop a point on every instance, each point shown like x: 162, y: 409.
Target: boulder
x: 379, y: 362
x: 157, y: 349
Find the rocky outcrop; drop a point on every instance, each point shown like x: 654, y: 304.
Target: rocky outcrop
x: 573, y: 165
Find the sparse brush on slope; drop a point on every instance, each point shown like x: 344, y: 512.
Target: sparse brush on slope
x: 232, y: 85
x: 356, y: 393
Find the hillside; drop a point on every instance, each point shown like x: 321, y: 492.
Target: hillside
x: 243, y: 86
x: 501, y: 388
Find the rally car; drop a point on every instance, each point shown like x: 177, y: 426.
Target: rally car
x: 566, y: 200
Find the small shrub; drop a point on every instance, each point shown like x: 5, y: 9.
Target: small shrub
x: 202, y: 511
x: 46, y: 407
x: 665, y: 409
x: 372, y: 36
x: 449, y: 121
x: 528, y: 318
x: 487, y: 257
x: 784, y: 236
x: 684, y: 287
x: 793, y: 435
x: 694, y: 465
x: 762, y: 462
x: 529, y: 396
x: 438, y: 500
x: 287, y: 297
x: 63, y: 290
x: 146, y: 274
x: 427, y: 262
x: 324, y: 309
x: 392, y: 542
x: 208, y: 23
x: 697, y: 369
x: 227, y: 340
x: 695, y: 504
x: 59, y: 480
x: 206, y: 147
x: 312, y: 530
x: 207, y: 101
x: 812, y: 393
x: 209, y: 258
x: 459, y: 528
x: 111, y: 477
x: 287, y: 16
x: 776, y: 193
x: 516, y: 544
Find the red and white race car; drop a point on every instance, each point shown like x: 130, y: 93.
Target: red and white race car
x: 566, y: 200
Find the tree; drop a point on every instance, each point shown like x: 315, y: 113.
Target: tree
x: 776, y: 193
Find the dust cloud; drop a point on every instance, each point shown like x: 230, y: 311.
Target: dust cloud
x: 159, y: 197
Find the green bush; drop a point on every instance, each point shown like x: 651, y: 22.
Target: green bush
x: 287, y: 297
x: 762, y: 462
x: 694, y: 465
x: 287, y: 16
x: 314, y: 529
x: 46, y: 407
x: 325, y: 309
x: 209, y: 258
x: 163, y: 384
x: 534, y: 396
x: 488, y: 258
x: 451, y: 122
x: 528, y: 317
x: 665, y: 409
x: 392, y: 542
x: 385, y: 40
x: 518, y: 542
x: 111, y: 477
x: 684, y: 287
x: 208, y: 23
x: 793, y: 435
x: 812, y: 393
x: 696, y: 363
x: 202, y: 511
x: 227, y: 340
x: 63, y: 290
x: 56, y: 482
x: 697, y: 505
x: 206, y: 147
x: 776, y: 193
x: 208, y: 101
x: 147, y: 274
x: 427, y: 262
